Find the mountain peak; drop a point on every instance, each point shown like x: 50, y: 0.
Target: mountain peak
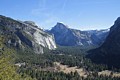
x: 61, y: 25
x: 116, y: 25
x: 117, y: 21
x: 30, y: 23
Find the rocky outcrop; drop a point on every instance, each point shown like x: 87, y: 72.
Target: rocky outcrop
x: 26, y: 34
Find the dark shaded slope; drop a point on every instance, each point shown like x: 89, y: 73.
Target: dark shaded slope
x: 109, y: 52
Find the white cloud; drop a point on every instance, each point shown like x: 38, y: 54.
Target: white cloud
x: 64, y: 4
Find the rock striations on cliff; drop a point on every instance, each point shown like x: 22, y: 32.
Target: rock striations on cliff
x: 21, y: 34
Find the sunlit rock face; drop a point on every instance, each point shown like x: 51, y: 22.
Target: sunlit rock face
x: 26, y: 34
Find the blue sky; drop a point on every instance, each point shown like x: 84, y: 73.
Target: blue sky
x: 78, y: 14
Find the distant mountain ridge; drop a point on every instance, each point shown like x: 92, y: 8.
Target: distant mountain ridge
x: 66, y: 36
x: 26, y: 34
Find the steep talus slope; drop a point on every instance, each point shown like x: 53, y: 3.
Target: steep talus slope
x: 25, y: 34
x: 109, y: 52
x: 66, y: 36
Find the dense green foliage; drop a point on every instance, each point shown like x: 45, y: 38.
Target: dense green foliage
x: 36, y: 61
x: 8, y: 71
x: 47, y: 59
x: 47, y: 75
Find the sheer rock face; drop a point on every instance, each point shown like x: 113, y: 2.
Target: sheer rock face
x: 109, y: 51
x: 26, y: 34
x: 65, y: 36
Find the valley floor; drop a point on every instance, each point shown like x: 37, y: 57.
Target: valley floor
x: 58, y: 67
